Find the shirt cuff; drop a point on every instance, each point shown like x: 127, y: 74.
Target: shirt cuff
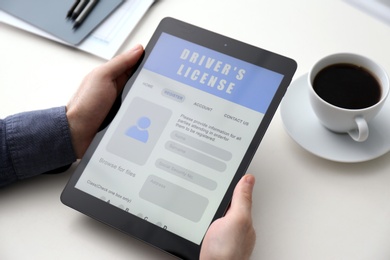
x: 39, y: 141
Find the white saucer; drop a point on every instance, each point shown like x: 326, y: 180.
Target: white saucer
x: 303, y: 126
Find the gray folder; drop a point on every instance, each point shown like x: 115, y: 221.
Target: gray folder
x: 50, y: 16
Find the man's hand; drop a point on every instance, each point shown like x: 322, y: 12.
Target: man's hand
x: 233, y: 236
x: 94, y: 98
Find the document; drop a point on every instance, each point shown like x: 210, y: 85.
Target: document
x: 377, y: 8
x: 106, y: 40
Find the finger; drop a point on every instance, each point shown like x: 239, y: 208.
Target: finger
x: 242, y: 196
x: 123, y: 62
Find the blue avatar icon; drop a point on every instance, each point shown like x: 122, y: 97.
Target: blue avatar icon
x: 139, y: 131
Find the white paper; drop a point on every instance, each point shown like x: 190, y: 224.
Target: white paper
x: 378, y: 8
x: 105, y: 40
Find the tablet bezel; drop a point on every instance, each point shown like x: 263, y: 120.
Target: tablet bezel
x: 142, y: 229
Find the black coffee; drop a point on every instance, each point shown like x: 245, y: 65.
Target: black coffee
x: 347, y: 86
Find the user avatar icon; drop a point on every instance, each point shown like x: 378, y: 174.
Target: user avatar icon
x: 139, y: 131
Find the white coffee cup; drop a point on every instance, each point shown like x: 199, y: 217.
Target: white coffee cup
x: 336, y: 118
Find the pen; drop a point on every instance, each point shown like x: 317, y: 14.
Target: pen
x: 86, y: 11
x: 79, y: 8
x: 71, y: 10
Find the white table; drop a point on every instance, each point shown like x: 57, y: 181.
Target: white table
x: 305, y: 207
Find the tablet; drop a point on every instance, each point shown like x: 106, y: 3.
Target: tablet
x: 190, y: 121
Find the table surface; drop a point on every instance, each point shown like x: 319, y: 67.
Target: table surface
x: 304, y: 207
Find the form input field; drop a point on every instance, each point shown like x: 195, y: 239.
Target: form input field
x: 186, y: 174
x: 201, y: 145
x: 196, y: 156
x: 174, y: 198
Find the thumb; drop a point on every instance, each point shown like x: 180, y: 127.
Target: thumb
x: 124, y: 62
x: 242, y: 196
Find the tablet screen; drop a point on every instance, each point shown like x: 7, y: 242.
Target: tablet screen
x: 188, y: 119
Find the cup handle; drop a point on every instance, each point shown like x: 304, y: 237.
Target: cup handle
x: 360, y: 134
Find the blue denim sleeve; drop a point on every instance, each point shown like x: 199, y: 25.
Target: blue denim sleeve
x: 33, y: 143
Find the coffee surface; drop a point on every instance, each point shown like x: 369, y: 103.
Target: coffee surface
x: 347, y: 86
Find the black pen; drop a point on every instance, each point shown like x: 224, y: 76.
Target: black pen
x: 87, y: 10
x: 71, y: 10
x: 79, y: 8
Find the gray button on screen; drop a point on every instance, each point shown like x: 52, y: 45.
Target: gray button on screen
x: 173, y: 95
x: 174, y: 198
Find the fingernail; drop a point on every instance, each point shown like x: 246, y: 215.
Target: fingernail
x: 136, y: 48
x: 250, y: 179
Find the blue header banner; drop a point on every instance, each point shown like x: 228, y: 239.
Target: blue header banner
x: 218, y: 74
